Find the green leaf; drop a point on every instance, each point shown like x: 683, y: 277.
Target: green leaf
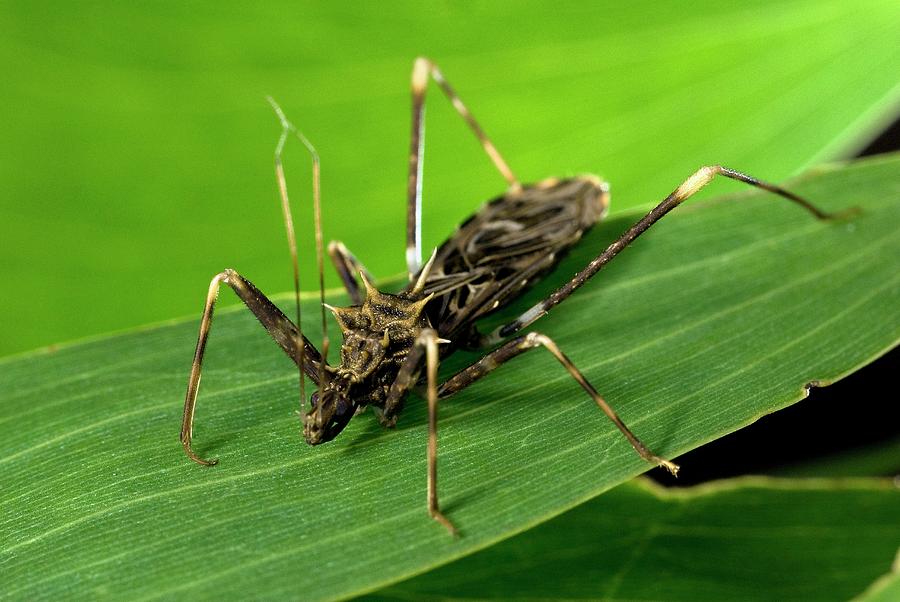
x: 720, y: 314
x: 746, y: 539
x: 137, y: 159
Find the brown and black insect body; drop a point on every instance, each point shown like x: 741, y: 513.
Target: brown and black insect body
x: 391, y: 342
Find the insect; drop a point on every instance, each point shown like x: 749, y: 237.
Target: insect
x: 392, y: 342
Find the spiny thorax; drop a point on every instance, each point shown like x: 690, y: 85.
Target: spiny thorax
x: 378, y: 335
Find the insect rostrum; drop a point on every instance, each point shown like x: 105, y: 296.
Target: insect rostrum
x: 392, y: 342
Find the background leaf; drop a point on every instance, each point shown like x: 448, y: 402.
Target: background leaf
x: 136, y: 153
x: 745, y: 539
x: 880, y: 458
x: 885, y: 589
x: 717, y: 316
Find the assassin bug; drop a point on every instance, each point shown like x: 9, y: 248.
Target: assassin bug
x: 391, y: 342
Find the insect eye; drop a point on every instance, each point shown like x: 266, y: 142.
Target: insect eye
x: 342, y: 405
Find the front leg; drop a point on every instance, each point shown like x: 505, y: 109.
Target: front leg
x: 426, y: 343
x: 407, y: 377
x: 532, y: 340
x: 286, y: 334
x: 348, y: 266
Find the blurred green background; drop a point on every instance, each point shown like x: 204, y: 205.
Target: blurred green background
x: 136, y: 144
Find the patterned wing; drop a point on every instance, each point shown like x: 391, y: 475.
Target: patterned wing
x: 506, y: 247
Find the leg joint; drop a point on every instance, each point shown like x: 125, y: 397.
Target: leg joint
x: 697, y: 180
x: 421, y: 67
x: 535, y: 339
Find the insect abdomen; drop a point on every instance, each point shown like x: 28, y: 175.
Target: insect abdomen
x: 507, y: 246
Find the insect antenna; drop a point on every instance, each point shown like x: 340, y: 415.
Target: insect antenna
x: 287, y: 128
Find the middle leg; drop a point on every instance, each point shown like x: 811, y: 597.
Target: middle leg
x: 533, y: 340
